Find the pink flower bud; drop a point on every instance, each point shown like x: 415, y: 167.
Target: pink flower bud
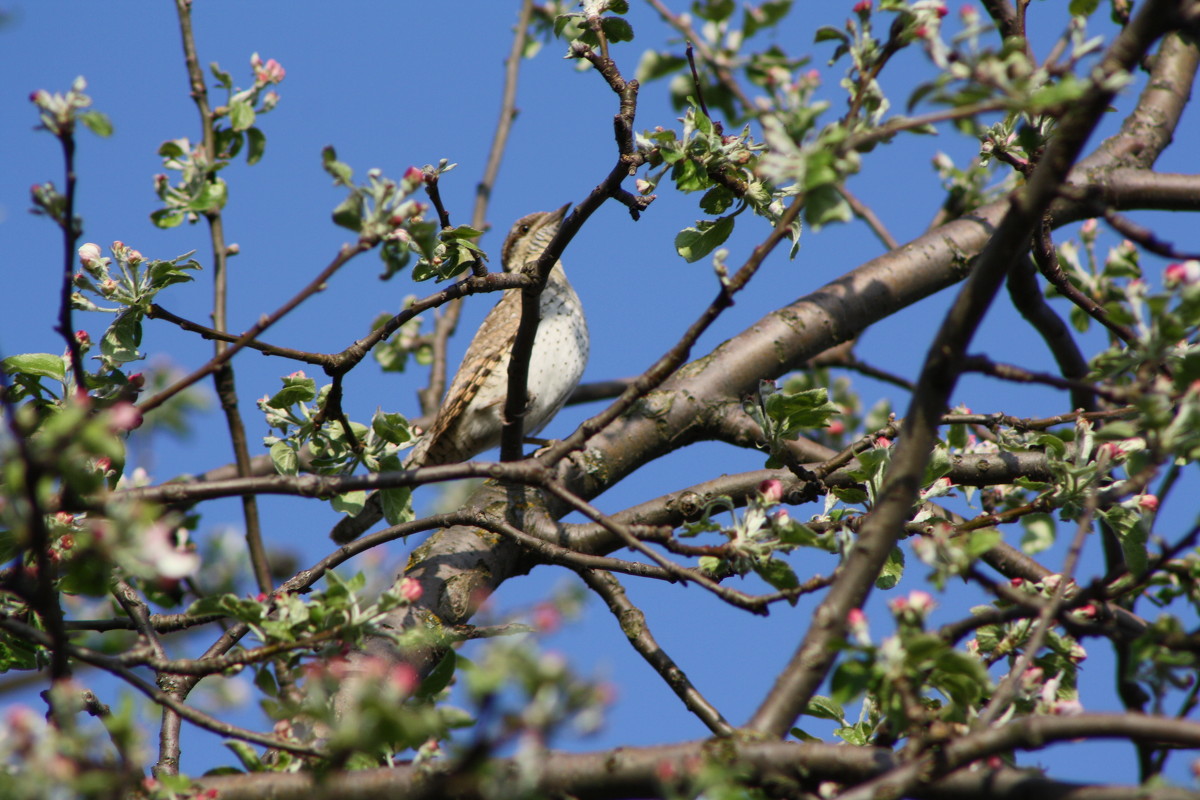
x: 124, y: 416
x: 547, y: 618
x: 771, y: 490
x: 1182, y: 273
x: 411, y: 590
x: 403, y: 676
x: 921, y: 601
x: 643, y: 186
x: 89, y: 254
x: 298, y: 374
x: 82, y: 338
x: 862, y: 7
x: 942, y: 11
x: 836, y: 428
x: 270, y: 72
x: 1148, y: 502
x: 883, y: 442
x: 414, y: 175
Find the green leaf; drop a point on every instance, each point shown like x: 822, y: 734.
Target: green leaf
x: 830, y: 34
x: 617, y: 29
x: 258, y: 145
x: 765, y: 16
x: 342, y: 174
x: 461, y: 232
x: 264, y: 680
x: 717, y: 200
x: 714, y: 10
x: 857, y: 735
x: 695, y: 243
x: 688, y: 175
x: 121, y: 340
x: 938, y: 466
x: 97, y: 122
x: 1083, y: 8
x: 391, y: 427
x: 167, y: 217
x: 983, y: 540
x: 804, y: 410
x: 850, y: 495
x: 241, y: 115
x: 893, y: 570
x: 397, y: 504
x: 246, y: 753
x: 229, y: 142
x: 283, y: 456
x: 211, y: 197
x: 655, y: 65
x: 224, y: 79
x: 46, y: 365
x: 1039, y: 533
x: 825, y: 708
x: 777, y: 573
x: 800, y: 734
x: 351, y: 502
x: 439, y: 677
x: 825, y: 204
x: 296, y: 389
x: 850, y: 680
x: 349, y: 212
x: 162, y: 274
x: 176, y: 148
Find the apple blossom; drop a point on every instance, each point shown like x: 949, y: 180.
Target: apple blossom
x: 411, y: 590
x: 1182, y: 273
x: 771, y: 490
x: 168, y: 552
x: 89, y: 254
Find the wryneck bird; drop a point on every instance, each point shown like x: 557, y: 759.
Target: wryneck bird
x: 469, y: 419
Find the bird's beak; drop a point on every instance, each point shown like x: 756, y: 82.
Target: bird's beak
x: 561, y: 214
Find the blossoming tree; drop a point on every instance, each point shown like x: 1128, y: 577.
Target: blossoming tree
x: 1026, y: 542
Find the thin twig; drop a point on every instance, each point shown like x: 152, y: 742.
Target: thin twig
x: 633, y: 624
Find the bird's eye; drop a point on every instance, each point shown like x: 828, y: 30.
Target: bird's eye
x: 524, y: 229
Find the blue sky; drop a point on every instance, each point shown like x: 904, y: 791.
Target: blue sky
x: 398, y: 84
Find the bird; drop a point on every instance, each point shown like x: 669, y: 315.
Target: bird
x: 469, y: 419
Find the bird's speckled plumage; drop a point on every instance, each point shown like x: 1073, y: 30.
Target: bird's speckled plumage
x: 469, y: 420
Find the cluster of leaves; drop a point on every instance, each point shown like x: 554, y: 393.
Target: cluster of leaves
x: 897, y: 675
x: 783, y: 414
x: 199, y: 190
x: 335, y: 447
x: 67, y: 757
x: 757, y: 537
